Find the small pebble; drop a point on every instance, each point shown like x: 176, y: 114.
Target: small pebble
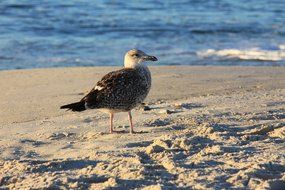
x: 178, y: 105
x: 165, y: 111
x: 146, y: 108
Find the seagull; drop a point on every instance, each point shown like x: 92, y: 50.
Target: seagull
x: 121, y: 90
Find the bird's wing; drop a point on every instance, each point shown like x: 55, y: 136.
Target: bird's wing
x: 112, y: 84
x: 103, y: 83
x: 115, y: 78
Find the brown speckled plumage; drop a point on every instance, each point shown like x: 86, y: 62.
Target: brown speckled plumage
x: 121, y: 90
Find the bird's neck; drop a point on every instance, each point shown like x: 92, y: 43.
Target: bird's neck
x: 133, y: 65
x: 144, y: 72
x: 129, y: 63
x: 141, y: 68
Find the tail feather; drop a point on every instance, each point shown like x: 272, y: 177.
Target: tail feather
x: 77, y: 106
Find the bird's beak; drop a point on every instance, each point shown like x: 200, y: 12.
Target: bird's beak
x: 149, y: 58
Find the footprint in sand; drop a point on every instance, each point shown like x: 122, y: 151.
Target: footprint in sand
x: 61, y: 135
x: 32, y: 142
x: 138, y: 144
x: 158, y: 123
x: 188, y: 105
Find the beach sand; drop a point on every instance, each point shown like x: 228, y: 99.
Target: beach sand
x: 207, y: 128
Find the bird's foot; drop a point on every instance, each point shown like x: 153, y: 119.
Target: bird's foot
x: 116, y: 132
x: 113, y: 132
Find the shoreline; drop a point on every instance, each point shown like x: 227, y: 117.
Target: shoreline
x: 150, y: 65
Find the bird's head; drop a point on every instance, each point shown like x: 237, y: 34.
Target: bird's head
x: 135, y: 57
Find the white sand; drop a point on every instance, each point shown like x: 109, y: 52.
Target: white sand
x: 226, y: 130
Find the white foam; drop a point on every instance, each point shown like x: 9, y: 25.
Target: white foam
x: 282, y: 47
x: 247, y: 54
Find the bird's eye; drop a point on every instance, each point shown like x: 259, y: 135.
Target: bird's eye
x: 136, y: 55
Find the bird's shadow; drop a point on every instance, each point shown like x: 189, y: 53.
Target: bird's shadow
x: 124, y: 132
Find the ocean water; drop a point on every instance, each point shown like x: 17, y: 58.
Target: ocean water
x: 52, y: 33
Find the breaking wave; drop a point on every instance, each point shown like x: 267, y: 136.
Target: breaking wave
x: 255, y: 54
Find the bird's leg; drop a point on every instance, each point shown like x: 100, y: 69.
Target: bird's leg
x: 131, y: 123
x: 111, y: 122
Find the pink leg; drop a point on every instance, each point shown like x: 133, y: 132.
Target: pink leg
x: 131, y: 123
x: 111, y: 122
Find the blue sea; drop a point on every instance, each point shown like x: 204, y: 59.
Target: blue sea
x: 53, y: 33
